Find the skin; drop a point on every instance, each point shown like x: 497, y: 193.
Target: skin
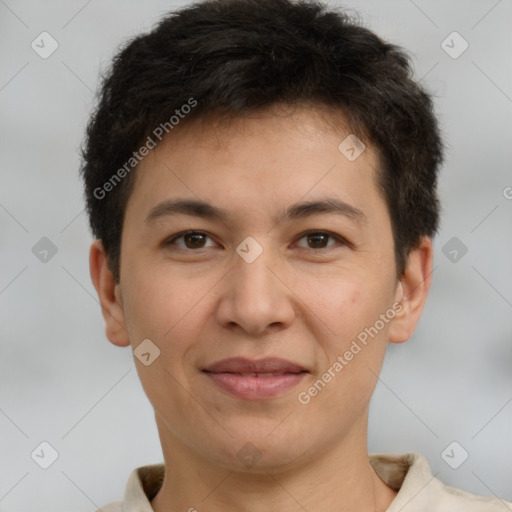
x: 300, y: 300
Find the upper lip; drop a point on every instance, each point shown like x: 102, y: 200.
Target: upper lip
x: 243, y: 365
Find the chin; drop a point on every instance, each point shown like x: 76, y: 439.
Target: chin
x: 260, y: 451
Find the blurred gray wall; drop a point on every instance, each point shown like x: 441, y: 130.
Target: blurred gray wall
x: 63, y: 383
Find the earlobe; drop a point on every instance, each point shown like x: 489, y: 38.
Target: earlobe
x: 413, y: 289
x: 109, y: 295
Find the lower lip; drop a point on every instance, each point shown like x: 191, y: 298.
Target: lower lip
x: 255, y: 388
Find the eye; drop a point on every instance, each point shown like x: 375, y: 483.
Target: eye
x: 191, y: 239
x: 196, y: 240
x: 318, y: 239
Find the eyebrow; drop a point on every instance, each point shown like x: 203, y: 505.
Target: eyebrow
x: 205, y: 210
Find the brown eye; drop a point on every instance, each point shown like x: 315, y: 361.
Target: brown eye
x: 191, y: 240
x: 319, y: 239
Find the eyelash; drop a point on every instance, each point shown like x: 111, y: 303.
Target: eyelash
x: 340, y: 239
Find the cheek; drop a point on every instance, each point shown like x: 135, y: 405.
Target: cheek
x: 337, y: 300
x: 157, y: 306
x: 352, y: 356
x: 344, y: 305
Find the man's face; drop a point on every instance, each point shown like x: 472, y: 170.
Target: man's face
x: 256, y: 285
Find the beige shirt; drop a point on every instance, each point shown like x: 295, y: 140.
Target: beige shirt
x: 409, y: 473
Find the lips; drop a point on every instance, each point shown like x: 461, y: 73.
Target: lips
x: 261, y: 367
x: 255, y: 380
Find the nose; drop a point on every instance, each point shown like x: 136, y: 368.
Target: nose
x: 255, y: 297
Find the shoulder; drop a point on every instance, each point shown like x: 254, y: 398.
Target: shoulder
x: 143, y: 484
x: 448, y: 499
x: 420, y: 491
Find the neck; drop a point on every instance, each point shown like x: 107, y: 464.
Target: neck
x: 340, y: 479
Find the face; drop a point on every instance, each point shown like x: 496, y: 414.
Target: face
x: 271, y: 317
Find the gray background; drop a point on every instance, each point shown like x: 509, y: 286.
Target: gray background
x: 62, y: 382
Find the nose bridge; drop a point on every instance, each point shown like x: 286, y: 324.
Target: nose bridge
x: 254, y: 297
x: 252, y: 262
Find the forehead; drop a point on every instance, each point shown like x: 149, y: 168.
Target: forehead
x: 309, y: 123
x: 269, y: 159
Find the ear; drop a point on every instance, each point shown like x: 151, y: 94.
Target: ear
x: 412, y: 292
x: 109, y: 294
